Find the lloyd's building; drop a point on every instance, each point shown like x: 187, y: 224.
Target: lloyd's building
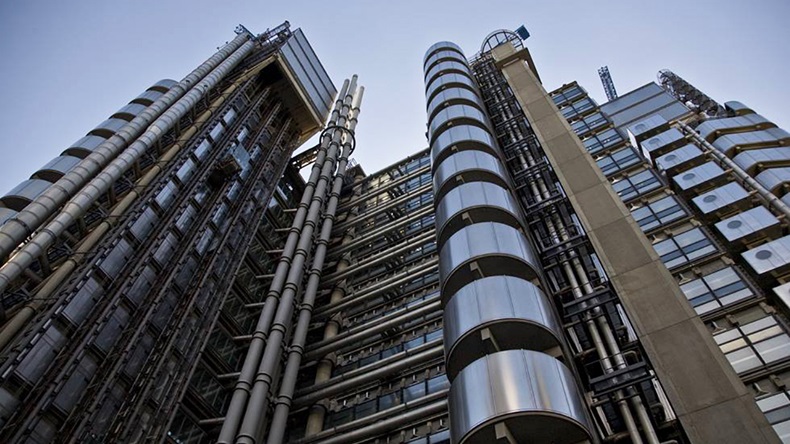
x: 546, y: 270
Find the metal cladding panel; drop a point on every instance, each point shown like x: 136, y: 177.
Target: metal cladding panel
x: 732, y: 124
x: 676, y: 158
x: 738, y: 108
x: 22, y: 194
x: 459, y: 138
x: 446, y: 67
x: 311, y: 75
x: 441, y: 46
x: 481, y: 201
x: 446, y: 81
x: 454, y: 95
x: 60, y: 164
x: 532, y: 393
x: 515, y: 311
x: 464, y: 113
x: 444, y: 54
x: 495, y: 248
x: 720, y: 197
x: 773, y: 256
x: 765, y: 138
x: 698, y: 175
x: 748, y: 160
x: 749, y: 222
x: 774, y: 178
x: 472, y: 164
x: 661, y: 142
x: 5, y: 214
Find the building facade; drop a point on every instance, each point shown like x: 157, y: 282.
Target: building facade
x: 546, y: 270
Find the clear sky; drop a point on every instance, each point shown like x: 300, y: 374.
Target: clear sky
x: 68, y: 65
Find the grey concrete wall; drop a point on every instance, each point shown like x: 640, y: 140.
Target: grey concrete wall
x: 711, y: 402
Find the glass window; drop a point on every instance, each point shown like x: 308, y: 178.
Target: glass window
x: 166, y: 249
x: 414, y: 391
x: 618, y: 161
x: 186, y: 171
x: 41, y: 354
x: 636, y: 185
x: 437, y: 383
x: 144, y: 223
x: 776, y: 408
x: 659, y: 213
x: 80, y: 305
x: 685, y: 247
x: 166, y: 196
x: 116, y: 258
x: 202, y: 149
x: 716, y: 290
x: 216, y: 132
x: 754, y: 344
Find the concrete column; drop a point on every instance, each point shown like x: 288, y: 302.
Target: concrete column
x: 709, y: 399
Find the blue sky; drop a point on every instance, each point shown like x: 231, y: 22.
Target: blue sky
x: 68, y: 65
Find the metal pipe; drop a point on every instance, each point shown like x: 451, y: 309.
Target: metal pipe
x: 296, y: 351
x: 24, y: 223
x: 82, y: 201
x: 23, y: 316
x: 398, y: 223
x: 395, y: 364
x: 769, y: 198
x: 249, y: 402
x: 251, y: 430
x: 379, y: 287
x: 373, y: 327
x: 381, y: 189
x: 382, y: 208
x: 380, y: 425
x: 381, y: 256
x: 244, y: 383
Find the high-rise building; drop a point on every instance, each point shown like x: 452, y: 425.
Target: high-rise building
x: 547, y: 270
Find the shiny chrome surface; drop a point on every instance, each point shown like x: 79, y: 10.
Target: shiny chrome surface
x: 747, y: 223
x: 22, y: 194
x: 451, y: 96
x: 56, y: 168
x: 753, y: 160
x: 148, y: 97
x: 441, y: 46
x: 475, y: 202
x: 755, y: 139
x: 774, y: 179
x: 446, y: 81
x: 680, y: 159
x: 468, y: 166
x: 163, y: 85
x: 721, y: 197
x: 482, y: 250
x: 446, y: 67
x: 738, y: 108
x: 129, y: 111
x: 461, y: 138
x: 456, y: 115
x: 84, y: 146
x: 770, y: 257
x: 707, y: 173
x: 443, y: 54
x: 515, y: 312
x: 109, y: 127
x: 5, y: 214
x: 712, y: 129
x: 532, y: 393
x: 662, y: 142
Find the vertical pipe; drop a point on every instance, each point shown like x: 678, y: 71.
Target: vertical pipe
x: 283, y: 401
x: 24, y: 223
x: 251, y: 428
x: 81, y: 203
